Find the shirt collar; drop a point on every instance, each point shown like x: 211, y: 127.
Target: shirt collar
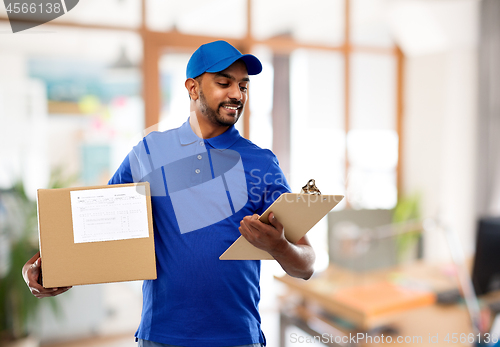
x: 187, y: 135
x: 223, y: 141
x: 226, y: 139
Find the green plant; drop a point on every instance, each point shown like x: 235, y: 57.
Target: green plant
x: 407, y: 210
x: 18, y: 231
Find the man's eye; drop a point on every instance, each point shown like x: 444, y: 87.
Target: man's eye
x: 223, y: 84
x: 243, y: 88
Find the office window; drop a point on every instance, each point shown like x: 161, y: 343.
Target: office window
x: 317, y: 120
x: 123, y: 13
x: 174, y: 96
x: 91, y: 97
x: 372, y: 140
x: 320, y: 22
x: 317, y: 130
x: 369, y: 24
x: 261, y: 100
x: 217, y: 18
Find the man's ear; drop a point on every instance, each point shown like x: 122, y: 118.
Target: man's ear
x: 192, y: 87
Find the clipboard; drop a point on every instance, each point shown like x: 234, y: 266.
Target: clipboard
x: 297, y: 212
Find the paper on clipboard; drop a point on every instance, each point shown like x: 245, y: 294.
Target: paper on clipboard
x: 297, y: 212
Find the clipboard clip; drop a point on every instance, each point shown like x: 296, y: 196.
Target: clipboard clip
x: 310, y: 188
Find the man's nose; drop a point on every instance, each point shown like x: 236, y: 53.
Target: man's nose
x: 235, y: 92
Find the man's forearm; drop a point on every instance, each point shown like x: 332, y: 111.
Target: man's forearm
x: 296, y: 259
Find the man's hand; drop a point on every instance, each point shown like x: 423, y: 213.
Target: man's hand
x: 270, y: 238
x: 31, y: 274
x: 296, y: 259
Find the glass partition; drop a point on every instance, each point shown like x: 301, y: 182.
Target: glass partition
x: 372, y: 142
x: 317, y: 131
x: 217, y: 18
x: 174, y: 96
x: 320, y: 22
x: 369, y: 24
x: 92, y: 98
x: 123, y: 13
x: 317, y: 120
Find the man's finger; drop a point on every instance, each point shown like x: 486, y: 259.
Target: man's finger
x: 41, y: 290
x: 34, y: 273
x: 49, y: 292
x: 60, y: 290
x: 244, y: 230
x: 254, y: 224
x: 248, y: 222
x: 274, y: 222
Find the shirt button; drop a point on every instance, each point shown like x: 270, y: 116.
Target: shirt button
x: 202, y: 143
x: 197, y: 171
x: 199, y: 156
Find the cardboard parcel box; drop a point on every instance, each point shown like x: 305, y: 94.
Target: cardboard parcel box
x: 96, y: 234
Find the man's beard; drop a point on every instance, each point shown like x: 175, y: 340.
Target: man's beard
x: 214, y: 116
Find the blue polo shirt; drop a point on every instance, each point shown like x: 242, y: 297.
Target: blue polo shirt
x: 201, y: 190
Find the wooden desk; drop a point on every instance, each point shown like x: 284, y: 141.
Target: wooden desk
x: 311, y: 306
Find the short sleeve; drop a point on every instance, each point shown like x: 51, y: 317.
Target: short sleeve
x: 123, y: 174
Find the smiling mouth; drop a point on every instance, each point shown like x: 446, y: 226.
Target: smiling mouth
x: 231, y: 108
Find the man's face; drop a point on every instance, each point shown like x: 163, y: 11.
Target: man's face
x: 223, y: 94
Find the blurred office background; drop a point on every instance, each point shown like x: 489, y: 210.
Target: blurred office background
x: 379, y: 100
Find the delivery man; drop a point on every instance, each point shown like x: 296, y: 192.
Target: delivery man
x: 208, y: 186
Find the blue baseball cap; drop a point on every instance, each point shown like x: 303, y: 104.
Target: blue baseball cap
x: 217, y: 56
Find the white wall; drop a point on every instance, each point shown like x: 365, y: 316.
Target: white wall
x: 440, y: 124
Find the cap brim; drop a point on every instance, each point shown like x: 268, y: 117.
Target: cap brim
x: 254, y: 67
